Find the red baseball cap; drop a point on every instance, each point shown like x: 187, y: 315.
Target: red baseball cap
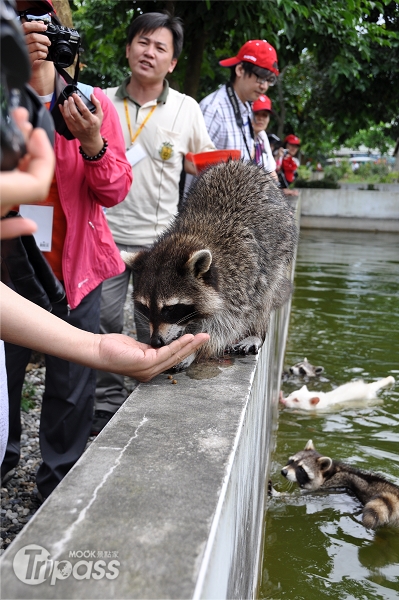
x: 262, y: 103
x: 257, y: 52
x: 46, y: 5
x: 292, y: 139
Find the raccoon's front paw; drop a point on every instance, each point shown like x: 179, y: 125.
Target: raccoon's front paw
x: 249, y: 345
x: 271, y: 491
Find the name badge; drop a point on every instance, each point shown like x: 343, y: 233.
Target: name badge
x: 43, y: 217
x: 135, y: 154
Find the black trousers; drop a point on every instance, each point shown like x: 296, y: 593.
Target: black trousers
x: 67, y: 409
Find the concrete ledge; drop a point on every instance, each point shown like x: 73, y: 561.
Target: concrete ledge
x: 350, y: 224
x: 170, y: 496
x: 350, y: 209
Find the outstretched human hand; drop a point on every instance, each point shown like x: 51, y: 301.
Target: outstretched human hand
x: 124, y: 355
x: 26, y: 324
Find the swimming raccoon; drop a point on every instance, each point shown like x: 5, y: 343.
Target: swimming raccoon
x: 312, y: 471
x: 305, y: 369
x: 305, y: 399
x: 221, y: 265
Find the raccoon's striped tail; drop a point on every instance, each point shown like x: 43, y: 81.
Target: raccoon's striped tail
x: 381, y: 510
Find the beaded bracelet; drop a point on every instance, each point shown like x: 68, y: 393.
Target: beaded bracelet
x: 96, y: 156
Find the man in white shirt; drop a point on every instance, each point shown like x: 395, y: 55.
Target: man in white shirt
x: 227, y: 111
x: 160, y: 127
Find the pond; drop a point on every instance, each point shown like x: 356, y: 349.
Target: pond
x: 345, y: 316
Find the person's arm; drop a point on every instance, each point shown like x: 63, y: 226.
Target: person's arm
x: 26, y: 324
x: 270, y: 164
x: 109, y: 178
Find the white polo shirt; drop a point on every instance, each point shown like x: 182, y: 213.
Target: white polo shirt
x: 175, y: 127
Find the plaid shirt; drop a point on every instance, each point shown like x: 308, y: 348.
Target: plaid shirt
x: 221, y: 122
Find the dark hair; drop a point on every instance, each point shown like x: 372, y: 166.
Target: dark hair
x: 249, y: 69
x: 149, y: 22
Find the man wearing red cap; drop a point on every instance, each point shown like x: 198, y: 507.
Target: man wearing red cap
x: 227, y: 111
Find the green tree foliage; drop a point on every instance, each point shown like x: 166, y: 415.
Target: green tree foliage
x: 338, y: 59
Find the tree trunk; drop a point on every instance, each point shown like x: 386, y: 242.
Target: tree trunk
x: 194, y: 61
x: 281, y: 115
x: 64, y: 12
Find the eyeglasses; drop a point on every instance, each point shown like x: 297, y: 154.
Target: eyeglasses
x: 264, y: 76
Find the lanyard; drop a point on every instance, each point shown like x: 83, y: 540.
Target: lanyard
x: 238, y: 116
x: 134, y: 137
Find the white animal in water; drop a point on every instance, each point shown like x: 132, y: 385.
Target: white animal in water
x: 352, y: 391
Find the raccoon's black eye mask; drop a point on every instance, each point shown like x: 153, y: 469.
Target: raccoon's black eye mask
x: 178, y: 313
x: 174, y: 314
x: 301, y: 476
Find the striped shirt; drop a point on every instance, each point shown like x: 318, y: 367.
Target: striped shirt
x: 221, y: 122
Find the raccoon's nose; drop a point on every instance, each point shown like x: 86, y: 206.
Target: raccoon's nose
x: 284, y: 472
x: 157, y: 340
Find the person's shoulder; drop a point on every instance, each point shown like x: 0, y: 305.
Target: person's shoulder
x: 178, y: 96
x: 111, y: 91
x: 216, y: 97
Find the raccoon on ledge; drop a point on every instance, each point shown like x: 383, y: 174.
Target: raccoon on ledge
x: 221, y: 266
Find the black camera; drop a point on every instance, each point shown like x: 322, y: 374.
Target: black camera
x: 65, y: 42
x: 60, y: 125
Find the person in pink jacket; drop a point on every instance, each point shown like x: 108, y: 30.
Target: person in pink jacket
x: 91, y: 173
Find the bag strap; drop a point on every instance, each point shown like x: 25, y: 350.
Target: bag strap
x: 238, y: 116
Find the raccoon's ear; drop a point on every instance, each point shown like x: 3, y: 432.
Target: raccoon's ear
x: 132, y: 259
x: 315, y: 400
x: 199, y: 262
x: 325, y: 463
x: 309, y: 445
x: 129, y: 257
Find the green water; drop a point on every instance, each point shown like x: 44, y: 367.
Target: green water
x: 345, y: 317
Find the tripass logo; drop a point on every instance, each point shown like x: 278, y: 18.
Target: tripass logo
x: 33, y: 565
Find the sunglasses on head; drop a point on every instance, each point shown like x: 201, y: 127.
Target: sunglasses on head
x: 36, y: 14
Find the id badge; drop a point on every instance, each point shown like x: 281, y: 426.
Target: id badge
x: 43, y: 217
x: 135, y: 154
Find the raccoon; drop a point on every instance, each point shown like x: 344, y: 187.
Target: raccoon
x: 305, y: 399
x: 221, y: 266
x: 380, y: 498
x: 305, y: 369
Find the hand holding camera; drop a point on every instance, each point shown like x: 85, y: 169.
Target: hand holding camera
x: 61, y: 44
x: 73, y: 113
x: 38, y: 44
x: 83, y: 123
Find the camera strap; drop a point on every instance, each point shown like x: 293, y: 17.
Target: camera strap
x: 238, y: 116
x: 66, y: 75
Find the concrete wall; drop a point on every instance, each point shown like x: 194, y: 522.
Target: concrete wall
x: 173, y: 489
x: 350, y: 209
x: 169, y: 500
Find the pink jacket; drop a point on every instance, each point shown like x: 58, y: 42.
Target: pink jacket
x: 90, y: 255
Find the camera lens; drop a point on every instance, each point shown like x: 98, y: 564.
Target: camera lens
x: 62, y: 55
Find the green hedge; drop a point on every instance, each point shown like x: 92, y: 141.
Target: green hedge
x: 325, y: 183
